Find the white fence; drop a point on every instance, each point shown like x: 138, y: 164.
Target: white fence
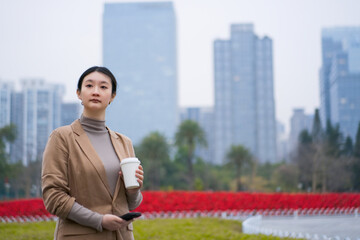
x: 254, y: 225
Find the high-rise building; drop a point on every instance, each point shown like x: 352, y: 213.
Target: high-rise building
x: 6, y: 88
x: 139, y: 47
x: 340, y: 78
x: 299, y: 122
x: 17, y: 118
x: 205, y: 118
x: 334, y: 40
x: 282, y: 142
x: 69, y: 113
x: 37, y: 111
x: 244, y: 96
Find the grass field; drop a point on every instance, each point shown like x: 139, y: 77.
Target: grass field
x: 159, y: 229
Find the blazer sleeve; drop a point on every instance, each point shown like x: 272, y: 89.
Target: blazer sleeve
x: 134, y: 200
x: 54, y: 176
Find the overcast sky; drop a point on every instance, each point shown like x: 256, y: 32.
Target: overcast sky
x: 58, y: 40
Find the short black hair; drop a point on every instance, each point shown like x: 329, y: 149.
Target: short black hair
x: 103, y: 70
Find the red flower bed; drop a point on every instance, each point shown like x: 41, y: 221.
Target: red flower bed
x: 207, y: 201
x: 23, y: 207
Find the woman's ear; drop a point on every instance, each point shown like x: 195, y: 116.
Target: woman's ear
x: 78, y: 94
x: 112, y: 97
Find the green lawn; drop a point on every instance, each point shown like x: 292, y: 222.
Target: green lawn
x: 159, y: 229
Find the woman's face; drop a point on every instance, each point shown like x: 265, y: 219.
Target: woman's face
x: 96, y: 92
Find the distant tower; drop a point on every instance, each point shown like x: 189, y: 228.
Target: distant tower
x: 37, y: 111
x: 340, y: 78
x: 139, y: 47
x: 6, y: 89
x: 244, y: 96
x: 299, y: 122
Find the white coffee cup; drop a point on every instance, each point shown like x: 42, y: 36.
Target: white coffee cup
x: 128, y: 168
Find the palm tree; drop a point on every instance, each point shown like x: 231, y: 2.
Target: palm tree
x: 238, y: 156
x: 188, y: 136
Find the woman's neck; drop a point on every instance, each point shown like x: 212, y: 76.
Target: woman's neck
x: 94, y: 115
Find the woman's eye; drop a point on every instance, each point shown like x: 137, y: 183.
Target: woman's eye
x: 104, y: 87
x: 88, y: 85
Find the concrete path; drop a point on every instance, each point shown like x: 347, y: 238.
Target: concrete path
x: 331, y: 226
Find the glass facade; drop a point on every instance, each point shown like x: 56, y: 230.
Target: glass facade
x: 36, y: 112
x: 139, y: 47
x: 244, y: 101
x: 333, y: 41
x: 5, y: 100
x: 344, y: 96
x: 5, y: 106
x: 341, y: 76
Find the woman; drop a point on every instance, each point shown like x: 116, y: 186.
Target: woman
x: 81, y: 178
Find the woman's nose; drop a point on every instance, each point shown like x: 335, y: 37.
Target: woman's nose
x: 96, y: 90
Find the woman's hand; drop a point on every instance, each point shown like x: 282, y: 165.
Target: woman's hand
x: 139, y: 173
x: 111, y: 222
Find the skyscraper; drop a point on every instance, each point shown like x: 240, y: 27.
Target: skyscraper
x: 6, y: 88
x: 244, y: 101
x: 17, y: 118
x: 139, y: 47
x: 340, y: 78
x: 37, y: 111
x: 282, y: 142
x: 299, y: 122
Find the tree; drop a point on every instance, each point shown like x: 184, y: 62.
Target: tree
x: 317, y: 141
x: 238, y: 157
x: 348, y: 148
x: 357, y: 143
x: 7, y: 135
x: 153, y: 151
x: 316, y: 130
x: 187, y: 137
x: 304, y: 159
x: 330, y: 151
x: 356, y: 162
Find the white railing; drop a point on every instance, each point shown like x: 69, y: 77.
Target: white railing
x: 252, y: 225
x: 228, y: 214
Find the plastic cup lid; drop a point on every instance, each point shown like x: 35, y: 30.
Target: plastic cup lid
x: 129, y: 160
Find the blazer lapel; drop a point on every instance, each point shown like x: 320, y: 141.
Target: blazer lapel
x: 84, y: 142
x: 121, y: 152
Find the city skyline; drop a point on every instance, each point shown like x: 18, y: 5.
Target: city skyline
x: 59, y: 48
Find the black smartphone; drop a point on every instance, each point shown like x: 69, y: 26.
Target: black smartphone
x: 130, y: 215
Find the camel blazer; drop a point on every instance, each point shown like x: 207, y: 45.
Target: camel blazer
x: 72, y: 171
